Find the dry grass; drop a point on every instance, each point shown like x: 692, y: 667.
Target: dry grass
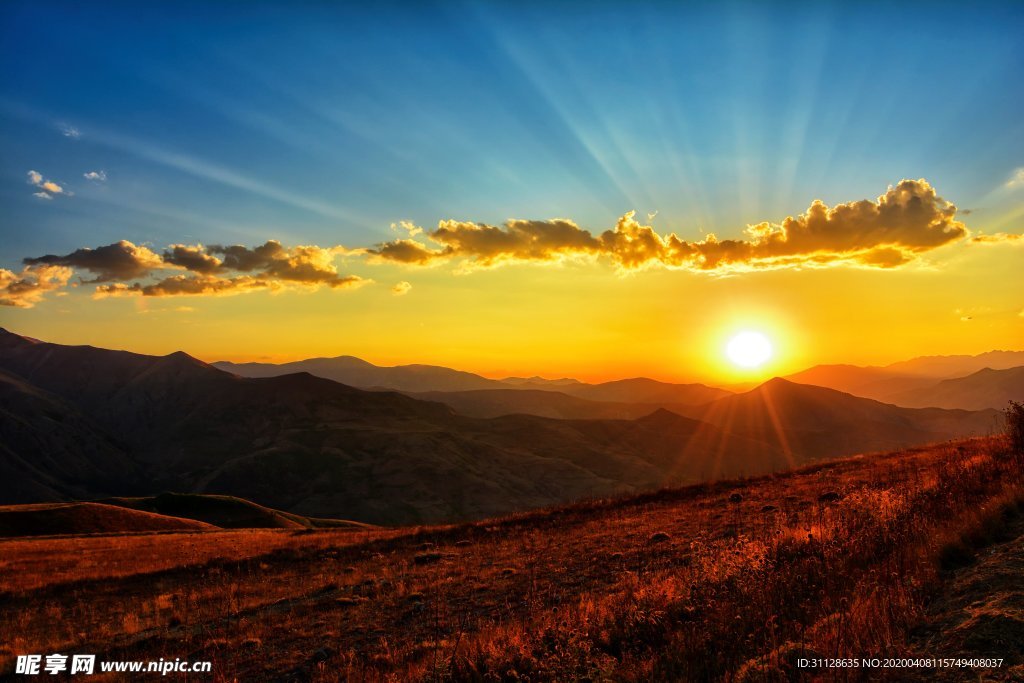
x: 726, y: 581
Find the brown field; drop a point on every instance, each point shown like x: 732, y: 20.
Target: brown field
x: 726, y: 581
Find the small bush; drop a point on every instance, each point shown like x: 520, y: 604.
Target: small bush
x: 1015, y: 426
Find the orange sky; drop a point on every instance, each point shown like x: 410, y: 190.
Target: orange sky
x: 584, y: 320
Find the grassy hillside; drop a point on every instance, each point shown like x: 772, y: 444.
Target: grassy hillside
x: 725, y: 581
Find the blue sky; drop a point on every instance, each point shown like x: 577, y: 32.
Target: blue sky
x: 313, y: 123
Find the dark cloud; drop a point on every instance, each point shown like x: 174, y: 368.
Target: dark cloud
x: 194, y: 258
x: 209, y: 285
x: 119, y: 261
x: 406, y: 251
x: 212, y: 270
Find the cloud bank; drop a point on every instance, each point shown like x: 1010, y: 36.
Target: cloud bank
x: 890, y: 231
x: 907, y: 220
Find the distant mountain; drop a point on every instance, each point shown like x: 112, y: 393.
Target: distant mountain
x: 359, y: 373
x: 986, y: 388
x: 868, y: 382
x: 946, y: 367
x: 539, y: 382
x: 813, y: 422
x: 487, y: 403
x: 910, y: 383
x: 429, y: 378
x: 644, y: 390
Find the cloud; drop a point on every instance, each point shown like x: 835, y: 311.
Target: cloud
x: 308, y: 264
x: 184, y: 285
x: 195, y: 258
x: 1016, y: 179
x: 890, y: 231
x: 121, y: 268
x: 405, y: 251
x: 96, y: 176
x: 210, y: 285
x: 119, y: 261
x: 48, y: 187
x: 27, y: 288
x: 70, y: 131
x: 401, y: 289
x: 410, y: 228
x: 998, y: 237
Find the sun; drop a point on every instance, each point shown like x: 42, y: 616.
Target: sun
x: 749, y: 349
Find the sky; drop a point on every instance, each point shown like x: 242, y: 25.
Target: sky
x: 595, y: 190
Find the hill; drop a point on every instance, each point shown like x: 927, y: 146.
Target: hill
x: 226, y: 512
x: 891, y: 553
x: 50, y: 519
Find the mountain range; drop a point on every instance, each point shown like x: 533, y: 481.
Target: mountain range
x: 987, y: 380
x: 78, y: 422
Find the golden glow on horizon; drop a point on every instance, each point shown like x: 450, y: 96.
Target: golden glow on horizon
x: 580, y: 321
x: 749, y: 349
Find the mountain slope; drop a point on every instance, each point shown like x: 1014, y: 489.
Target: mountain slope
x: 50, y: 451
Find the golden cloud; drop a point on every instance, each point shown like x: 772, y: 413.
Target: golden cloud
x: 997, y: 238
x: 890, y: 231
x: 27, y: 288
x: 887, y: 232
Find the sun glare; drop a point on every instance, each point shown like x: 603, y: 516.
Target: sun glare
x: 749, y: 349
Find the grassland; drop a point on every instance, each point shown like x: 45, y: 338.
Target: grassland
x: 725, y: 581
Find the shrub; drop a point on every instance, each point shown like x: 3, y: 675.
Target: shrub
x: 1015, y: 425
